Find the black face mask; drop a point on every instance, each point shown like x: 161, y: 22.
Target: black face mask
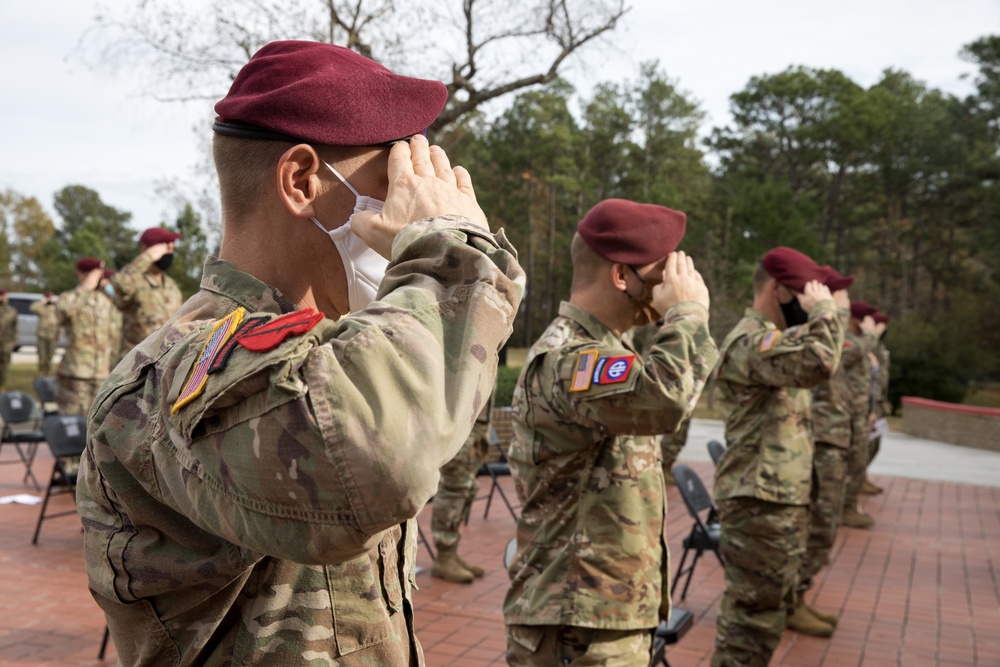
x: 164, y: 262
x: 793, y: 312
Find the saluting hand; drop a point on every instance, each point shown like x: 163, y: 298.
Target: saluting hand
x: 422, y: 184
x: 868, y: 325
x: 813, y: 292
x: 842, y: 299
x: 681, y: 282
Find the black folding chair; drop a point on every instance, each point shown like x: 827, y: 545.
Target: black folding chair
x: 17, y: 410
x: 704, y: 535
x: 427, y: 543
x: 67, y: 438
x: 670, y: 632
x: 495, y: 470
x: 716, y: 449
x: 45, y: 389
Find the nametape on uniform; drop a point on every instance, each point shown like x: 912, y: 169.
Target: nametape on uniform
x: 612, y: 370
x: 584, y: 369
x: 769, y: 339
x: 221, y: 333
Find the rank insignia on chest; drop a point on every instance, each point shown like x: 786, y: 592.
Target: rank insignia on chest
x: 220, y: 335
x: 768, y: 341
x: 612, y: 370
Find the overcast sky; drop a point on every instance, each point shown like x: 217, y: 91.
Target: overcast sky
x: 62, y: 124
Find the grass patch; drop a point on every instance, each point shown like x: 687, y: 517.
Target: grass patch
x: 20, y: 378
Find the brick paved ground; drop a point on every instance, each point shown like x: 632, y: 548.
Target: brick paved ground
x: 921, y: 588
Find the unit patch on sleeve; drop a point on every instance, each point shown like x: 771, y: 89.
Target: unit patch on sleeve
x: 584, y: 369
x: 612, y: 370
x: 769, y: 339
x: 221, y: 333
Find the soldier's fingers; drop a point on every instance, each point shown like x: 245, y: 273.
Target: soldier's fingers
x: 442, y: 167
x: 682, y: 260
x: 400, y: 164
x: 690, y: 264
x: 463, y: 181
x: 670, y: 268
x: 420, y: 155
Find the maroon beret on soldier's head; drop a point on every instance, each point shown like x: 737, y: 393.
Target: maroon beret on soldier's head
x: 860, y: 310
x: 108, y: 273
x: 835, y: 280
x: 50, y: 294
x: 88, y: 264
x: 880, y: 318
x: 325, y: 94
x: 630, y: 233
x: 155, y: 235
x: 792, y: 268
x: 3, y: 292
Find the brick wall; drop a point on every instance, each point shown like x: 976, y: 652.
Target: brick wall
x: 948, y: 422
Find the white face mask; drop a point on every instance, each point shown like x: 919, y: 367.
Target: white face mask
x: 363, y: 267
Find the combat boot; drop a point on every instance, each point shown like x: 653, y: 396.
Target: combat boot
x: 801, y: 621
x: 829, y: 619
x: 870, y: 489
x: 450, y: 568
x: 854, y: 518
x: 474, y: 569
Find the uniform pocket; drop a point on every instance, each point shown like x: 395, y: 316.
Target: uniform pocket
x: 360, y: 599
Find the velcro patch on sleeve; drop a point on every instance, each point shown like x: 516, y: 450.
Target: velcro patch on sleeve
x: 221, y: 333
x: 769, y: 340
x: 612, y: 370
x: 848, y: 344
x: 584, y: 369
x: 269, y: 336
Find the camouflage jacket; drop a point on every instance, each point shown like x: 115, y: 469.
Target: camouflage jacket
x: 883, y: 407
x: 591, y: 548
x: 8, y: 327
x: 859, y: 378
x: 48, y: 318
x: 92, y: 339
x: 147, y: 301
x: 761, y: 370
x: 831, y: 401
x: 266, y: 520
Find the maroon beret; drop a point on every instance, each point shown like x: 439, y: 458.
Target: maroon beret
x: 880, y: 318
x: 155, y: 235
x: 792, y: 268
x: 860, y: 310
x: 631, y: 233
x: 50, y: 294
x: 835, y: 280
x: 3, y: 292
x: 325, y: 94
x: 108, y: 273
x: 88, y: 264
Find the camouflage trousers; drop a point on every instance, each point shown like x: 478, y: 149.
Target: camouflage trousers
x: 457, y: 488
x: 826, y: 506
x: 671, y: 445
x: 763, y: 544
x: 553, y: 645
x: 46, y: 348
x: 74, y: 396
x: 4, y: 366
x: 857, y: 462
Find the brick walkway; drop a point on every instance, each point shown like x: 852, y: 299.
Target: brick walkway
x: 921, y: 588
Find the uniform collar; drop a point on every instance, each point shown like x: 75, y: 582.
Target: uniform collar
x: 755, y: 314
x: 223, y: 278
x: 588, y: 322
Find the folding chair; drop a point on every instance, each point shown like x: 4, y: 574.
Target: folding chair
x: 670, y: 632
x: 495, y: 470
x: 716, y: 449
x: 705, y: 534
x: 427, y: 543
x: 18, y: 410
x: 67, y: 438
x: 45, y: 389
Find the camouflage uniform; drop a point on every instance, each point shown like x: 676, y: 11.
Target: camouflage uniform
x: 459, y: 484
x: 591, y: 548
x: 48, y: 332
x: 8, y: 339
x: 859, y: 378
x: 268, y: 521
x: 671, y: 445
x: 763, y: 481
x: 146, y: 300
x: 883, y: 408
x: 87, y: 317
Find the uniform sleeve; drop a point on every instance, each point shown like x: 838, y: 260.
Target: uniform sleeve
x: 69, y: 304
x: 667, y: 369
x: 800, y: 356
x: 331, y: 440
x: 128, y: 281
x: 37, y: 307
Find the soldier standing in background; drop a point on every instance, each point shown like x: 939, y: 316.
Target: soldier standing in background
x: 671, y: 445
x: 86, y: 316
x: 859, y: 376
x: 144, y: 293
x: 8, y: 336
x: 880, y: 392
x: 108, y: 290
x: 456, y: 491
x: 48, y: 331
x: 787, y: 343
x: 627, y: 357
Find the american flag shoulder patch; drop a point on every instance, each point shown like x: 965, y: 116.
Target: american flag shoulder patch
x: 221, y: 333
x: 584, y: 369
x: 769, y: 339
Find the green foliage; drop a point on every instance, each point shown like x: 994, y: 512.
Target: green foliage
x: 189, y: 251
x: 506, y: 380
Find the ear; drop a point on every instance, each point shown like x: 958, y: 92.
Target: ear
x: 618, y: 277
x: 298, y: 180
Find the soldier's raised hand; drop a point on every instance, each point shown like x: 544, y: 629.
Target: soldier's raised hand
x: 681, y: 282
x: 868, y: 325
x: 813, y: 292
x: 842, y: 299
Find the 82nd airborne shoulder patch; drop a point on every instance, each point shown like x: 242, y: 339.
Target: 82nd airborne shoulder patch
x: 612, y: 370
